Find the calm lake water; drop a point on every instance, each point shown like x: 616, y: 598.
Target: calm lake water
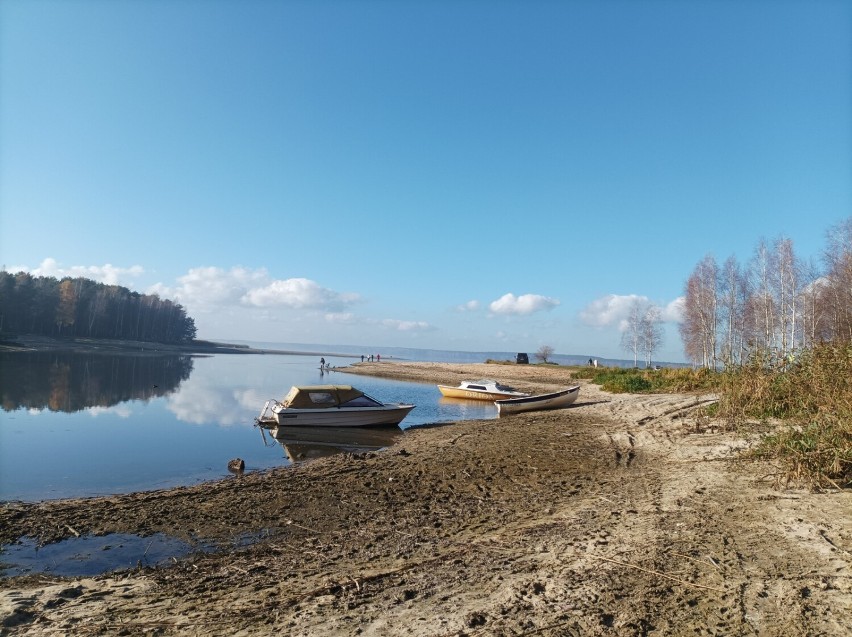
x: 76, y: 425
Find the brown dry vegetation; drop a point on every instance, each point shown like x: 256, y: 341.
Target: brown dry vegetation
x: 622, y: 515
x: 813, y: 396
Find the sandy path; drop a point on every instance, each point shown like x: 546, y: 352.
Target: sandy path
x: 623, y: 514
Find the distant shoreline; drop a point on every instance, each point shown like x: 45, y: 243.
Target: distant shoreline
x: 36, y: 343
x: 39, y: 343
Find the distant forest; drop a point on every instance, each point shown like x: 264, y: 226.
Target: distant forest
x: 84, y: 308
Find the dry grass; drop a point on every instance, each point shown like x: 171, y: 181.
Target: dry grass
x: 812, y: 395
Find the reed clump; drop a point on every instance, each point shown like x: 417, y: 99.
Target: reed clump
x: 811, y: 394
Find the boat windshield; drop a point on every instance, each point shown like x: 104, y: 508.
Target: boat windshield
x: 362, y: 401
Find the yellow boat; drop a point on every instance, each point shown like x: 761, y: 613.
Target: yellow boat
x: 481, y: 390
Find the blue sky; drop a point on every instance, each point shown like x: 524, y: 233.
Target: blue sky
x: 454, y: 175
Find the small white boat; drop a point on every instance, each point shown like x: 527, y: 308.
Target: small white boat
x: 481, y: 390
x: 330, y: 406
x: 554, y: 400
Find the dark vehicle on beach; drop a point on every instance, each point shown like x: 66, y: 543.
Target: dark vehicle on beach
x: 522, y: 359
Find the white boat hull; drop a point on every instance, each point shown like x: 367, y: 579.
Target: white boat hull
x: 554, y: 400
x: 342, y: 416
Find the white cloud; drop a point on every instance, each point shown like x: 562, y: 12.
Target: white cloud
x: 298, y: 294
x: 613, y: 309
x: 122, y: 411
x: 673, y: 312
x: 107, y: 273
x: 407, y: 326
x: 470, y: 306
x: 816, y: 285
x: 609, y: 310
x: 211, y: 286
x: 208, y: 287
x: 524, y: 304
x: 198, y: 405
x: 340, y: 318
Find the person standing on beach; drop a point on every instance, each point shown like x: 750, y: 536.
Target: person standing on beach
x: 322, y: 362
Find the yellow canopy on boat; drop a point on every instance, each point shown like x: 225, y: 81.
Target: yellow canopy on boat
x: 320, y: 396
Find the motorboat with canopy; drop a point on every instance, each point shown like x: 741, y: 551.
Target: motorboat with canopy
x: 331, y: 406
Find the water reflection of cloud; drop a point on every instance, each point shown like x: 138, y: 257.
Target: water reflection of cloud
x: 251, y: 398
x: 122, y: 411
x: 200, y: 404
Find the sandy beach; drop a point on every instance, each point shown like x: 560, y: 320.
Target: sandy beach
x: 621, y: 515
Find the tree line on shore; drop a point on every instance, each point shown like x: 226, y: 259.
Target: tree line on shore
x: 776, y: 304
x: 80, y: 307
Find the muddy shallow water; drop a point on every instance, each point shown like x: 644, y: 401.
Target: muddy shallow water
x: 620, y: 515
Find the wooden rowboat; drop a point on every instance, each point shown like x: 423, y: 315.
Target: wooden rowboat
x: 554, y: 400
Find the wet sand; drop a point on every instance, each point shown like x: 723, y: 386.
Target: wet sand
x: 621, y: 515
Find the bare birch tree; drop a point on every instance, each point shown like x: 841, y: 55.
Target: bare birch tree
x: 761, y: 301
x: 700, y: 321
x: 813, y: 307
x: 651, y: 332
x: 787, y: 294
x: 838, y: 258
x: 631, y: 336
x: 733, y: 288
